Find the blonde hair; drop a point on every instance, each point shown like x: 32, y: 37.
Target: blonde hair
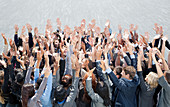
x: 152, y: 80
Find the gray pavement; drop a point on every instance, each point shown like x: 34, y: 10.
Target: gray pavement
x: 142, y: 12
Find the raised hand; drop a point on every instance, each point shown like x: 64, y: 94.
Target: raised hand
x: 58, y: 22
x: 97, y: 30
x: 31, y: 61
x: 147, y: 36
x: 47, y: 72
x: 57, y: 59
x: 161, y: 30
x: 99, y: 53
x: 23, y: 30
x: 8, y: 58
x: 16, y: 28
x: 36, y: 31
x: 29, y: 27
x: 21, y: 62
x: 39, y: 56
x: 119, y: 38
x: 83, y: 22
x: 156, y: 28
x: 165, y: 38
x: 102, y: 65
x: 136, y: 27
x: 107, y: 24
x: 5, y: 40
x: 91, y: 71
x: 131, y: 27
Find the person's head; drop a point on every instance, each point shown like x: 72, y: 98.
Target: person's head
x: 56, y: 43
x: 20, y: 78
x: 103, y: 91
x: 38, y: 83
x: 26, y: 93
x: 117, y: 71
x: 152, y: 80
x: 60, y: 94
x: 167, y: 76
x: 66, y: 80
x: 160, y: 63
x: 128, y: 72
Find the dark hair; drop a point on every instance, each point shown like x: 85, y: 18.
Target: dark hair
x: 103, y: 92
x: 20, y: 77
x: 118, y: 70
x: 38, y: 83
x: 66, y: 80
x: 26, y: 93
x: 167, y: 76
x: 131, y: 71
x: 60, y: 93
x: 86, y: 97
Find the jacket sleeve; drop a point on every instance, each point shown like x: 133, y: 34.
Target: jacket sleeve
x: 16, y: 39
x: 27, y: 78
x: 11, y: 72
x: 68, y: 61
x: 47, y: 93
x: 134, y: 61
x: 94, y: 96
x: 62, y: 67
x: 142, y: 82
x: 36, y: 74
x: 5, y: 87
x: 56, y: 79
x: 164, y: 83
x: 99, y: 71
x: 30, y: 40
x: 128, y: 61
x: 40, y: 91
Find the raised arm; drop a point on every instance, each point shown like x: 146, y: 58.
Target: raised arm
x: 5, y: 46
x: 40, y: 91
x: 162, y: 81
x: 16, y: 35
x: 29, y: 27
x: 74, y: 91
x: 56, y: 74
x: 163, y: 46
x: 27, y: 78
x: 38, y: 62
x: 140, y: 74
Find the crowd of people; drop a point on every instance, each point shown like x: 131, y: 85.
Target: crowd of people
x: 84, y: 67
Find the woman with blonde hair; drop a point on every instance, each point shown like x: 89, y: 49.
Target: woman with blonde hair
x: 147, y: 87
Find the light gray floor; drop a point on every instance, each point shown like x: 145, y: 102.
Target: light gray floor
x: 142, y: 12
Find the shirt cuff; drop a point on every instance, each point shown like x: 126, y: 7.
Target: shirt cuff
x: 132, y: 56
x: 103, y: 72
x: 97, y: 60
x: 108, y: 70
x: 116, y: 51
x: 124, y: 54
x: 61, y: 58
x: 153, y: 63
x: 135, y: 45
x: 89, y: 78
x: 148, y: 48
